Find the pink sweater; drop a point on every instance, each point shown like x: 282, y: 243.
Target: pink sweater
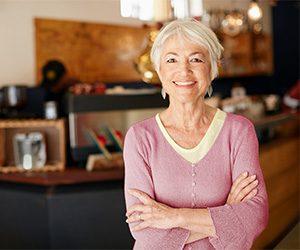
x: 153, y: 166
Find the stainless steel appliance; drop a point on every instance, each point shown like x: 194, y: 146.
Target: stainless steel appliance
x: 94, y: 111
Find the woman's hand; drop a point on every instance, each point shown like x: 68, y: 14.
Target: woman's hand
x: 242, y: 189
x: 150, y: 213
x: 158, y: 215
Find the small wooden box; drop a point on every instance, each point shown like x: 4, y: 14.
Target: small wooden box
x: 54, y: 131
x: 99, y: 162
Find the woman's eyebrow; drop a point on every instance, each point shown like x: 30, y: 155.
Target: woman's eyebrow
x: 192, y: 54
x: 171, y: 53
x: 197, y: 53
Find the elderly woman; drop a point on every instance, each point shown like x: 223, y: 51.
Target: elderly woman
x: 192, y: 173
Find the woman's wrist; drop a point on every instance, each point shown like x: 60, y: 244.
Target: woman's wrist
x: 195, y: 237
x: 197, y: 221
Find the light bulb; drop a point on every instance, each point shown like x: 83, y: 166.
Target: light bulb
x: 254, y: 12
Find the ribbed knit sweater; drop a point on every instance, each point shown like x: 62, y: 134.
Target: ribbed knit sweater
x: 154, y: 167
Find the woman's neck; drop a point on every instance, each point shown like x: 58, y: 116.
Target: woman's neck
x: 187, y: 116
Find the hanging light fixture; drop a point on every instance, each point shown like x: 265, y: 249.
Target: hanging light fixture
x: 254, y: 12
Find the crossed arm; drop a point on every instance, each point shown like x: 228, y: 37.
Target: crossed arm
x: 198, y: 221
x: 235, y: 224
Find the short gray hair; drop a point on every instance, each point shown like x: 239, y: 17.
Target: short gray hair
x: 194, y: 31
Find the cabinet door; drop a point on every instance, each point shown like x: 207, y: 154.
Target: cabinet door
x: 246, y: 54
x: 236, y: 55
x: 262, y: 60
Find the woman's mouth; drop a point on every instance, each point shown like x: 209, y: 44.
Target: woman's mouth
x: 184, y: 83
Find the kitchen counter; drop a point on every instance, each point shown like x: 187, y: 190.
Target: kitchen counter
x: 71, y: 175
x: 75, y: 175
x: 273, y: 120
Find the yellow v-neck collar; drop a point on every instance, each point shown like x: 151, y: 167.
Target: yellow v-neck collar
x: 197, y: 153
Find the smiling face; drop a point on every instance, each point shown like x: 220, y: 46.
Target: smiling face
x: 184, y: 70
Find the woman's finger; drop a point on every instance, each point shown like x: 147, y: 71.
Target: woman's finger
x: 147, y: 220
x: 233, y: 190
x: 140, y: 226
x: 250, y: 195
x: 242, y: 184
x: 135, y: 208
x: 143, y: 197
x: 135, y: 218
x: 241, y: 188
x: 245, y: 191
x: 238, y: 180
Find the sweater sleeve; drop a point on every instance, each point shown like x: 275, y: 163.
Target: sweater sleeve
x: 138, y: 175
x: 238, y: 225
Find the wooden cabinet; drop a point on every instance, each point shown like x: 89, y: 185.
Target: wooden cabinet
x: 246, y: 54
x: 280, y: 162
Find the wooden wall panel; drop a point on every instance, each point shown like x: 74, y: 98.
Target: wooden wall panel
x: 277, y: 157
x: 280, y: 219
x: 279, y: 161
x: 283, y: 186
x: 91, y: 52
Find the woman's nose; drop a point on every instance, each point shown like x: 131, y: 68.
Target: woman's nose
x: 185, y: 68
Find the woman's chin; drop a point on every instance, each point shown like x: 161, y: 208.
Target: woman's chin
x: 189, y: 98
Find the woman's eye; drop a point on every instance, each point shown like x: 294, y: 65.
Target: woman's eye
x: 196, y: 60
x: 172, y: 60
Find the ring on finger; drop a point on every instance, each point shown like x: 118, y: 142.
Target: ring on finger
x: 140, y: 218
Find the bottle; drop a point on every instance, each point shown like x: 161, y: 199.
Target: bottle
x: 50, y: 110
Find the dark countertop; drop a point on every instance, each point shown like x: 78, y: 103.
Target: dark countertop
x: 273, y: 120
x: 71, y: 175
x: 76, y: 175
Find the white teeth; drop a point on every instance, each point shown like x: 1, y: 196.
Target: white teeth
x: 184, y: 83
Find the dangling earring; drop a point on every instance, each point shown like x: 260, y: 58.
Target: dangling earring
x: 163, y: 93
x: 209, y: 90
